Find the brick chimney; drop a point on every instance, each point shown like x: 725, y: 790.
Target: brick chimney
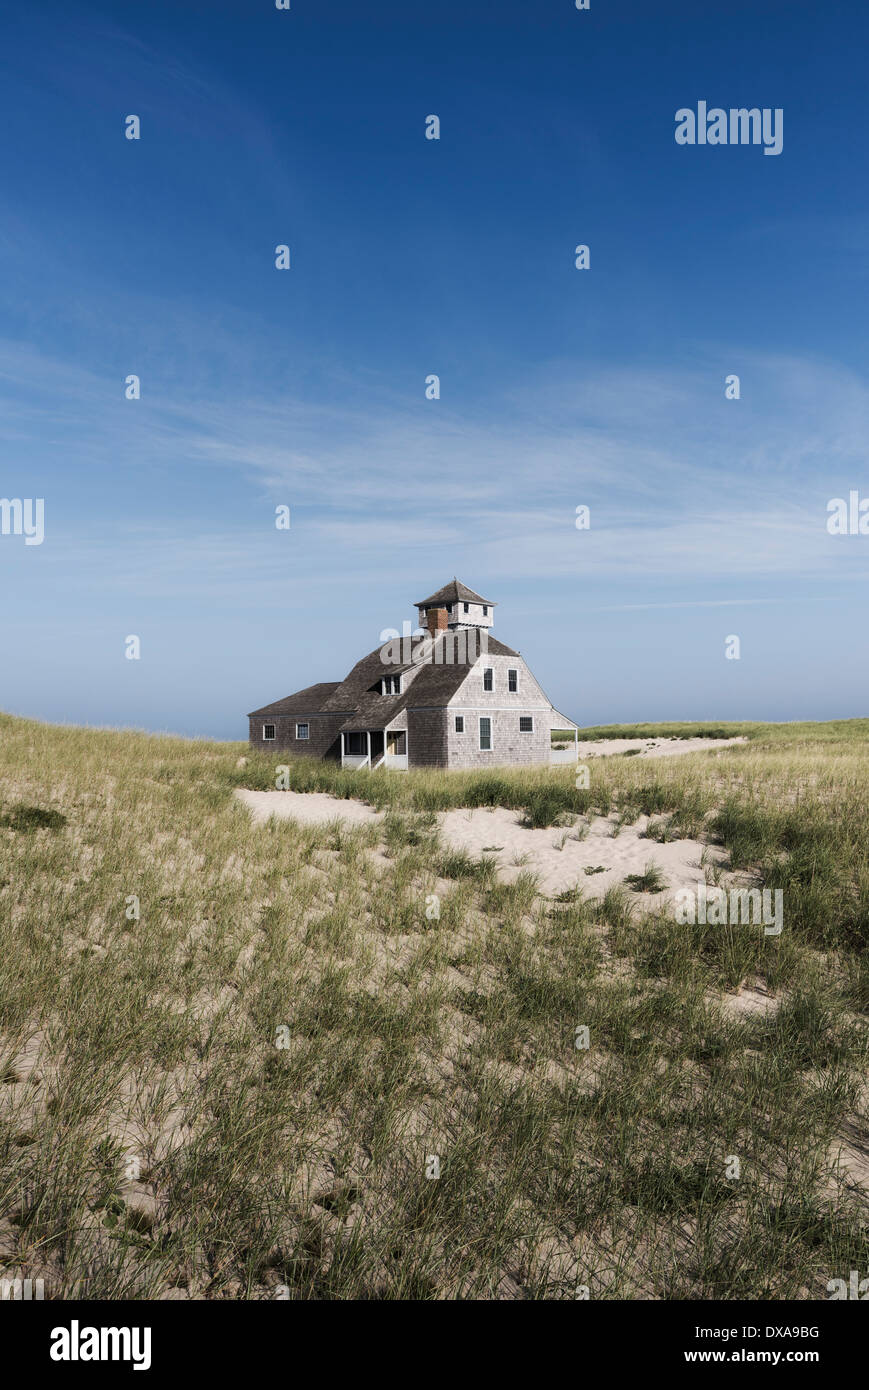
x: 437, y: 620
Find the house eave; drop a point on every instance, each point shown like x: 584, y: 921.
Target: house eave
x: 271, y: 712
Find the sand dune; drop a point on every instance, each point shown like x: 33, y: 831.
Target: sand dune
x: 560, y: 860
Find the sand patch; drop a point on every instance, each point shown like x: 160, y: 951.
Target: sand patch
x: 653, y: 747
x: 850, y: 1153
x: 309, y: 808
x: 751, y: 1000
x: 561, y: 861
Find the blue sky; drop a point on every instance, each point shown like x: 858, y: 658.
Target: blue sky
x: 409, y: 257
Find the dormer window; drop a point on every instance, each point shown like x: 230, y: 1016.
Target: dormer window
x: 390, y: 685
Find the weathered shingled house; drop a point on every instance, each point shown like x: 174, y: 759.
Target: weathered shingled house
x: 448, y: 696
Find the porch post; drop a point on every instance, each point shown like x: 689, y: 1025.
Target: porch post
x: 342, y: 747
x: 575, y: 744
x: 368, y: 740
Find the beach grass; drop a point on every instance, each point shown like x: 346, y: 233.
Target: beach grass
x: 263, y: 1061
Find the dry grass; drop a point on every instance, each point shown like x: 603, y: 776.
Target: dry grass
x: 239, y: 1093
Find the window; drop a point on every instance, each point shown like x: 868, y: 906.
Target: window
x: 390, y: 685
x: 467, y: 607
x: 396, y: 742
x: 268, y: 731
x: 512, y: 681
x: 485, y: 734
x: 302, y: 731
x: 488, y: 678
x: 485, y: 610
x: 526, y: 724
x: 355, y: 743
x: 460, y: 723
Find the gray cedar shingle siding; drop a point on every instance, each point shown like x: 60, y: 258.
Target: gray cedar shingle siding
x: 304, y: 707
x: 427, y: 738
x: 323, y: 740
x: 509, y: 745
x: 525, y: 698
x: 505, y: 708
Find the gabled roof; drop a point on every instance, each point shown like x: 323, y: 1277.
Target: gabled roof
x: 356, y: 686
x: 452, y: 592
x: 307, y: 701
x: 434, y: 684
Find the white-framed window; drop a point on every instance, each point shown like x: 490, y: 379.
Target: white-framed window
x: 485, y: 734
x: 485, y: 610
x: 488, y: 678
x: 512, y: 681
x: 303, y: 731
x: 390, y: 685
x: 355, y: 743
x: 268, y: 731
x: 467, y: 607
x: 460, y: 723
x: 526, y: 724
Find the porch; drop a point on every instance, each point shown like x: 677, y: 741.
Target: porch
x: 374, y: 748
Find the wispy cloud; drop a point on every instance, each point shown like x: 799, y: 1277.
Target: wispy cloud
x: 682, y: 485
